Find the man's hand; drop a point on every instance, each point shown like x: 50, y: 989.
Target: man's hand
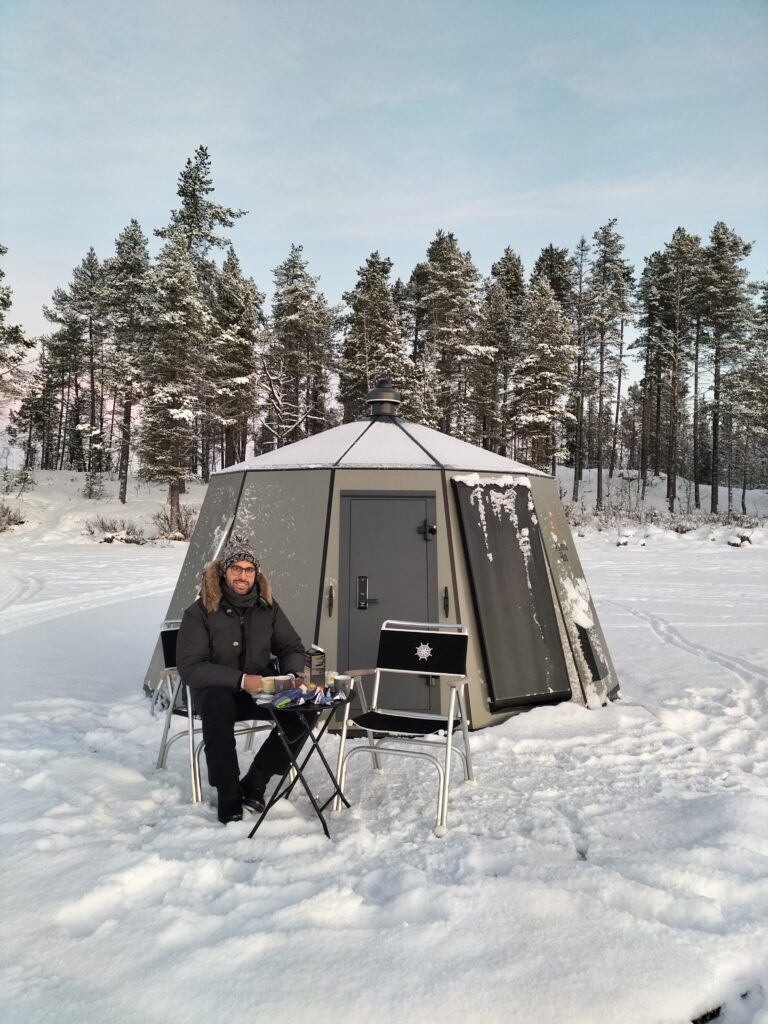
x: 252, y: 684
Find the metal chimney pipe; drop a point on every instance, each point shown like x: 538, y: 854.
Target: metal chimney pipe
x: 384, y: 399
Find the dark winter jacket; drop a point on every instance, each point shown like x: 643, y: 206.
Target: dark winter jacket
x: 217, y: 643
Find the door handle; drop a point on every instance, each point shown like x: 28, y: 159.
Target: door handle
x: 427, y: 530
x: 362, y: 594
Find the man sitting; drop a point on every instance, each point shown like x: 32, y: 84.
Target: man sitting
x: 225, y: 643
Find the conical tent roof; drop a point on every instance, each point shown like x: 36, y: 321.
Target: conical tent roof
x: 384, y: 441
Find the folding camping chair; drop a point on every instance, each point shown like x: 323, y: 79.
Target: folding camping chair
x: 415, y: 649
x: 177, y: 700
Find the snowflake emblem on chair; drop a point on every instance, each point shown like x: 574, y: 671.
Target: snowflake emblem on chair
x: 423, y: 652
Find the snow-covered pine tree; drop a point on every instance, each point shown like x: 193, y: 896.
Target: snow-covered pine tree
x: 82, y: 306
x: 197, y: 223
x: 488, y: 381
x: 609, y: 296
x: 181, y: 324
x: 14, y: 346
x: 583, y: 378
x: 649, y: 346
x: 300, y: 355
x: 558, y: 267
x: 727, y: 316
x: 373, y: 346
x: 421, y: 401
x: 234, y: 366
x: 542, y: 377
x: 500, y: 317
x: 405, y: 312
x: 753, y: 414
x: 198, y: 219
x: 680, y: 266
x: 128, y: 296
x: 449, y: 307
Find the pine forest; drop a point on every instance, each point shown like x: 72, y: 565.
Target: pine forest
x: 173, y: 365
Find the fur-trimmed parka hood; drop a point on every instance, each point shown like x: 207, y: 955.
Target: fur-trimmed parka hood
x: 211, y: 593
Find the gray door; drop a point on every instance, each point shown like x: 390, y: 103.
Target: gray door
x: 388, y: 571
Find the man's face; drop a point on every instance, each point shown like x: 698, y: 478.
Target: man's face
x: 240, y: 576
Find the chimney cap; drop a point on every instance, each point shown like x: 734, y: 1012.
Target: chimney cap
x: 383, y: 399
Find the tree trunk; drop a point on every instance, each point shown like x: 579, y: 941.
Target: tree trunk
x: 744, y: 478
x: 577, y: 452
x: 102, y: 453
x: 672, y: 435
x: 728, y: 424
x: 29, y: 462
x: 696, y: 414
x: 645, y: 427
x: 112, y: 426
x: 92, y: 418
x: 715, y: 474
x: 125, y: 444
x: 62, y: 442
x: 205, y: 452
x: 657, y: 425
x: 230, y: 457
x: 174, y: 510
x: 618, y: 405
x: 599, y: 437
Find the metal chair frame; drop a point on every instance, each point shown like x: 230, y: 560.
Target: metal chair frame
x: 169, y: 689
x: 379, y: 738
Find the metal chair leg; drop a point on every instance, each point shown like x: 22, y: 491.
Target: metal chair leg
x: 442, y: 808
x: 336, y: 805
x: 162, y: 756
x: 469, y: 774
x: 194, y: 774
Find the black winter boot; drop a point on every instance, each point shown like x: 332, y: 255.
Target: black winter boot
x: 252, y: 787
x: 230, y: 805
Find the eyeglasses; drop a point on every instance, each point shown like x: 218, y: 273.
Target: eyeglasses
x: 239, y: 570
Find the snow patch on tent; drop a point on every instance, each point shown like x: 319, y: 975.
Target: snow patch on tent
x: 577, y: 602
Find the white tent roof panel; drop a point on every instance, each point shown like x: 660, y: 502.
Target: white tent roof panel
x: 317, y: 451
x: 383, y: 446
x: 452, y: 453
x: 381, y: 443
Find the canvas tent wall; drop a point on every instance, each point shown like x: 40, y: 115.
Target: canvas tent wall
x: 383, y: 518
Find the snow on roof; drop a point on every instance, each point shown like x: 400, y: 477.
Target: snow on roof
x: 317, y: 451
x: 452, y: 453
x: 383, y: 443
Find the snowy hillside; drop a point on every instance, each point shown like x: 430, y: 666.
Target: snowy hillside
x: 607, y: 867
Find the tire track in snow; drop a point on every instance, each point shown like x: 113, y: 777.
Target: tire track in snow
x: 745, y: 671
x: 29, y: 612
x: 21, y: 589
x: 733, y: 724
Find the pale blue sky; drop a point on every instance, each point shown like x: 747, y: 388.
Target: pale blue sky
x: 351, y: 126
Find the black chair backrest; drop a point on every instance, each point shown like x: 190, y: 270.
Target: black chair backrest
x: 168, y: 638
x: 422, y: 652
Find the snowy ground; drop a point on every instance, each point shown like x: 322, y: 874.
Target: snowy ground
x: 607, y: 867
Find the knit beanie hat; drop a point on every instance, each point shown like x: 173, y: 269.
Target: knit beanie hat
x: 237, y: 549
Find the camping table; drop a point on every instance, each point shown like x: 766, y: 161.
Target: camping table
x: 307, y: 714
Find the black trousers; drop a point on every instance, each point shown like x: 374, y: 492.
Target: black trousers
x: 219, y: 709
